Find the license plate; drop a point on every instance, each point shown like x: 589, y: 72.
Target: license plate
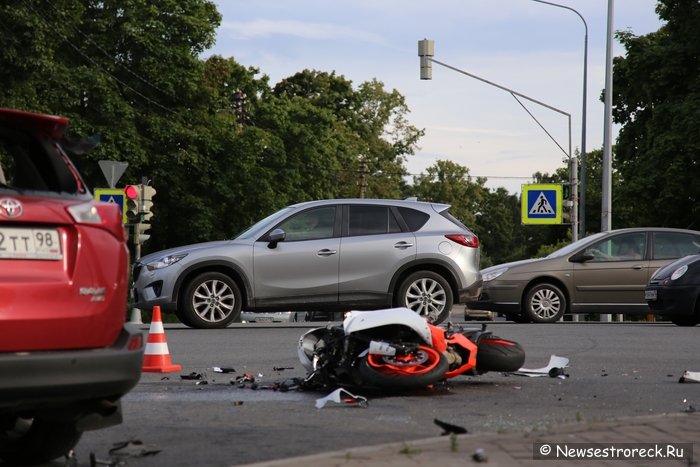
x: 29, y: 244
x: 650, y: 295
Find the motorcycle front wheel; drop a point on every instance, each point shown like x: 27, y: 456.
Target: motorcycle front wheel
x: 417, y: 369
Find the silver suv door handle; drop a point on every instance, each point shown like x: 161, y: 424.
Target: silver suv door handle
x: 403, y: 245
x: 326, y: 252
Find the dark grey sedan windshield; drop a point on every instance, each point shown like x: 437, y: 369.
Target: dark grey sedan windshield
x: 574, y: 246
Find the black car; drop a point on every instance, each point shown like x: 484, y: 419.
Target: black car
x: 672, y: 292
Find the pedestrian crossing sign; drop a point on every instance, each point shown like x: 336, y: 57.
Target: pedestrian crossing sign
x: 113, y: 195
x: 541, y: 204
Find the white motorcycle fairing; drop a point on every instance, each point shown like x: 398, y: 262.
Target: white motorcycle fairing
x: 356, y: 321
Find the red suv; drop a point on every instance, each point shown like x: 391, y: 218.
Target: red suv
x: 66, y: 354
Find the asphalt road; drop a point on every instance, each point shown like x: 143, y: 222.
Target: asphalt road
x: 616, y: 370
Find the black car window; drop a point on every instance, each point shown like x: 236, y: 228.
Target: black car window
x: 371, y: 220
x: 27, y: 163
x: 313, y: 224
x: 414, y: 219
x: 671, y: 245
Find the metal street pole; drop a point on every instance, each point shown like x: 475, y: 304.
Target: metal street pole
x: 606, y: 189
x: 582, y: 178
x: 606, y: 202
x: 426, y: 50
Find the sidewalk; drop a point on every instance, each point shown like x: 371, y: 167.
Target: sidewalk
x: 515, y: 449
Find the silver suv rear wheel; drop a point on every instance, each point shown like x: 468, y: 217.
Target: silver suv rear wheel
x: 428, y: 294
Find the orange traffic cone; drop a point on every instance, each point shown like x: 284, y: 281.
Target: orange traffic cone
x: 156, y: 357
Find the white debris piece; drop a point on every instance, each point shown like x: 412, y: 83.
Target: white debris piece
x: 555, y: 363
x: 690, y: 377
x: 341, y: 396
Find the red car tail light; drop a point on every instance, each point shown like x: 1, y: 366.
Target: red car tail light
x: 102, y: 215
x: 136, y: 342
x: 468, y: 240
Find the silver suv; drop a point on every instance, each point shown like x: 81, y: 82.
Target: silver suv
x: 329, y: 255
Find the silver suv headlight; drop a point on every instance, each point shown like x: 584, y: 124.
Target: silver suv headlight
x: 491, y: 275
x: 165, y: 261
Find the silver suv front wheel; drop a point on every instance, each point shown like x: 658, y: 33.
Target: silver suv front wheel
x: 212, y: 301
x: 428, y: 294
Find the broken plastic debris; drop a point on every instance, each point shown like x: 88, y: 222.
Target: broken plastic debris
x: 243, y: 379
x: 555, y: 368
x: 342, y: 396
x: 71, y: 459
x: 132, y: 448
x: 95, y: 462
x: 449, y: 428
x: 223, y: 369
x: 480, y: 455
x: 690, y: 377
x: 192, y: 376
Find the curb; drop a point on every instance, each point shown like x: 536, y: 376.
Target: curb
x: 510, y: 448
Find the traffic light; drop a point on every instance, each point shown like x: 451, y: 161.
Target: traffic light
x: 147, y: 194
x: 566, y: 190
x: 133, y: 203
x: 140, y: 234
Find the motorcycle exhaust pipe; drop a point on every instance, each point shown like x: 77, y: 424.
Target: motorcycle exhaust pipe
x: 382, y: 348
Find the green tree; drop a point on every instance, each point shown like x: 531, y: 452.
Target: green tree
x: 497, y: 225
x: 657, y: 101
x: 369, y: 135
x: 450, y: 183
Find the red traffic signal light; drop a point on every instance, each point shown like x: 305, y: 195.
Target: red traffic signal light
x: 131, y: 191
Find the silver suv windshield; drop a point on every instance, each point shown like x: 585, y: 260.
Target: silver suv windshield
x: 261, y: 226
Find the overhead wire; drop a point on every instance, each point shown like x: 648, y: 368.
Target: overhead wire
x: 96, y: 64
x: 166, y: 93
x: 113, y: 59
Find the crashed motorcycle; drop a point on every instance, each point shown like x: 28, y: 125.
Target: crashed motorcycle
x: 397, y: 349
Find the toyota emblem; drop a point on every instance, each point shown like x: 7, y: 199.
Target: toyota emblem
x: 10, y: 208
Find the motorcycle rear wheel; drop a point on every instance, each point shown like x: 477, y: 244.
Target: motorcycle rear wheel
x: 496, y: 354
x: 418, y: 369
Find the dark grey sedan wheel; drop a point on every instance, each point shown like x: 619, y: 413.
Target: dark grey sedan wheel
x: 428, y: 294
x: 545, y: 303
x: 212, y: 301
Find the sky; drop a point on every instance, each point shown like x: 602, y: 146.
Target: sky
x: 532, y: 48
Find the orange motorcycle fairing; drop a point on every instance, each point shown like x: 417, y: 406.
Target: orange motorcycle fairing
x: 466, y: 349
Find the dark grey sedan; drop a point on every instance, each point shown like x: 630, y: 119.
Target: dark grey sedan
x: 603, y: 273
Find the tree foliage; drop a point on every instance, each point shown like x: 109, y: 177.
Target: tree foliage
x: 220, y: 145
x: 657, y: 101
x: 224, y: 147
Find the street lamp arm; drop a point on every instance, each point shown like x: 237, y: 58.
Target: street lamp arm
x: 542, y: 126
x: 582, y: 199
x: 514, y: 93
x: 585, y: 25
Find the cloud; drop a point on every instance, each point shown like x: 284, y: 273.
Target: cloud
x: 264, y: 28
